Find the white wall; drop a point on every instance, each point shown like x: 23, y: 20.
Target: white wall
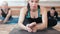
x: 24, y: 3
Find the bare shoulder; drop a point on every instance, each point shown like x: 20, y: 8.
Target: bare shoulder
x: 42, y: 7
x: 10, y: 9
x: 24, y: 9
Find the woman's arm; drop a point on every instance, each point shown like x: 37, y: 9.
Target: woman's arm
x: 7, y: 17
x: 0, y: 12
x: 21, y: 18
x: 56, y: 15
x: 44, y: 23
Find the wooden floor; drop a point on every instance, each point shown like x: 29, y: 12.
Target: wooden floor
x: 6, y: 28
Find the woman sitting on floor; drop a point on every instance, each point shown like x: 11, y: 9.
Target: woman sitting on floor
x: 52, y: 17
x: 31, y: 19
x: 5, y: 12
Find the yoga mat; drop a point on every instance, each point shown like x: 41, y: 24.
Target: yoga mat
x: 46, y: 31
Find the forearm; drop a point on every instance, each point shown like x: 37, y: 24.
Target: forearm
x: 21, y: 26
x: 41, y: 26
x: 6, y: 19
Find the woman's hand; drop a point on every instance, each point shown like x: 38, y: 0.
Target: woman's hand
x: 28, y: 28
x: 32, y: 24
x: 31, y: 27
x: 34, y: 28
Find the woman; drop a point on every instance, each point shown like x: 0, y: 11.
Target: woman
x: 5, y: 12
x: 52, y: 17
x: 30, y: 17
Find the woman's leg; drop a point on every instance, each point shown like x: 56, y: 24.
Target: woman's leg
x: 8, y: 20
x: 1, y: 21
x: 52, y: 22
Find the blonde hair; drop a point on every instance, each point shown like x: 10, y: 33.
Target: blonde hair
x: 5, y: 2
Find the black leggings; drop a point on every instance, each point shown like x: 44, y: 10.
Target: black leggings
x: 52, y: 22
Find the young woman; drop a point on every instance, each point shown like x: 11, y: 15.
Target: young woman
x: 31, y: 19
x: 52, y: 17
x: 5, y: 12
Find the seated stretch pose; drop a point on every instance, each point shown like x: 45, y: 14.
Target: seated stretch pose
x: 31, y: 18
x: 52, y: 17
x: 5, y: 12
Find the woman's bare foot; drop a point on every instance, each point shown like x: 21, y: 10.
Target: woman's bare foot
x: 1, y: 22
